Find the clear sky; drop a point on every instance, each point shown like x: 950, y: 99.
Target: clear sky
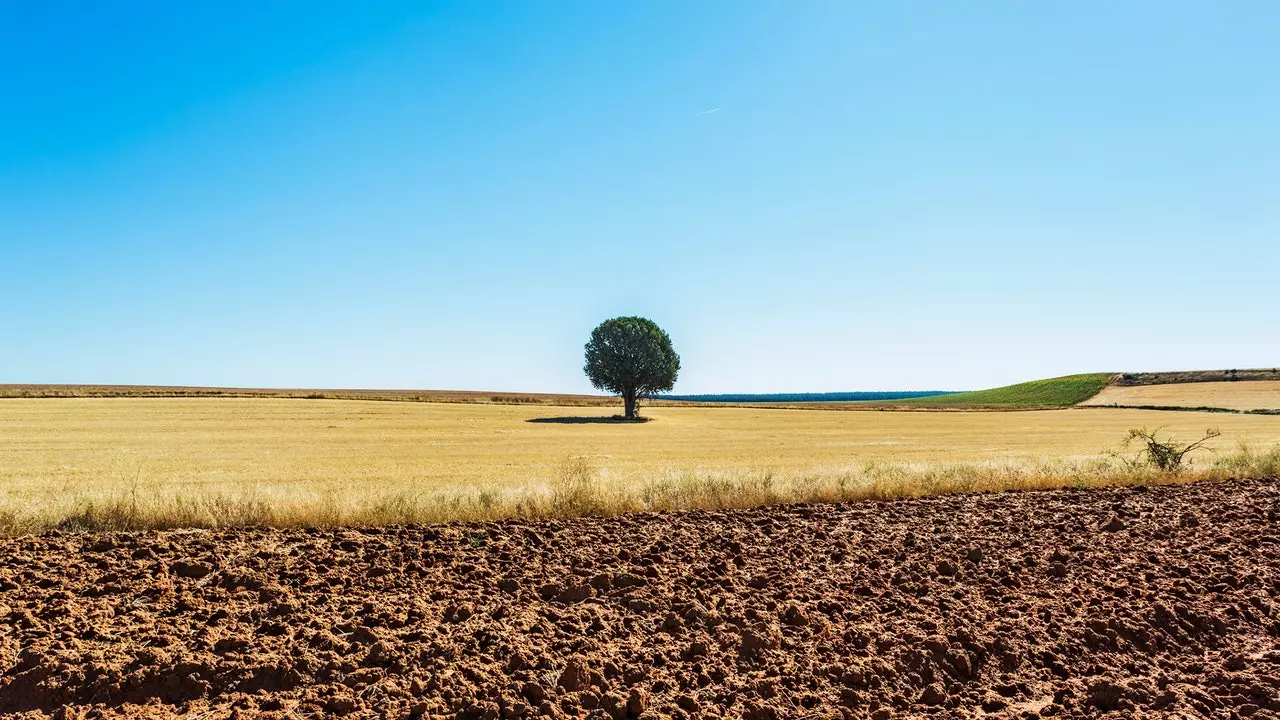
x: 808, y: 196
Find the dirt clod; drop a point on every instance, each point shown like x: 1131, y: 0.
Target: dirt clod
x: 575, y: 676
x: 933, y: 695
x: 576, y: 593
x: 534, y: 692
x: 637, y: 702
x: 194, y: 570
x: 1115, y: 524
x: 757, y: 640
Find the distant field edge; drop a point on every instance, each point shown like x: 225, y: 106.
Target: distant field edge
x: 1039, y: 394
x: 1130, y: 390
x: 811, y: 401
x: 191, y: 391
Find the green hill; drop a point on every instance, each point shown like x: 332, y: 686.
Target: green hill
x: 1054, y: 392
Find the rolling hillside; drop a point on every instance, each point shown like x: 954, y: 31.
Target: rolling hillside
x: 1054, y: 392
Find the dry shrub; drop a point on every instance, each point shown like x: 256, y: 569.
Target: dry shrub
x: 1166, y: 455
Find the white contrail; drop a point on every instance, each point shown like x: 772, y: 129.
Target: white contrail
x: 707, y: 112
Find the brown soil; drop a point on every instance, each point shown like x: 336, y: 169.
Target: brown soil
x: 1161, y: 602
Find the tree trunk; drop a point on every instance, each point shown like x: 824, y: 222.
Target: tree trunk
x: 629, y: 405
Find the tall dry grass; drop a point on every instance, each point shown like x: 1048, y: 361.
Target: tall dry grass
x: 580, y: 488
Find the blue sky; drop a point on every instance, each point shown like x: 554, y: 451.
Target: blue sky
x: 808, y: 196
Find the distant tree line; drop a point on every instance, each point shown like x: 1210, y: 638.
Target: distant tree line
x: 808, y: 397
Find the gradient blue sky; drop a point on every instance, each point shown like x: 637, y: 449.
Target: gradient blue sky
x: 808, y: 196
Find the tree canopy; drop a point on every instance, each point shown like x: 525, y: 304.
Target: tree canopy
x: 631, y: 357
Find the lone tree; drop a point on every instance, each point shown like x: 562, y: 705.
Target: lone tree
x: 631, y: 357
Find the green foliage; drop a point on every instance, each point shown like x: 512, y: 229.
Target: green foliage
x: 1054, y: 392
x: 631, y: 357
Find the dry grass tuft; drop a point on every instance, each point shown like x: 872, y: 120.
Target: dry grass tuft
x: 576, y: 490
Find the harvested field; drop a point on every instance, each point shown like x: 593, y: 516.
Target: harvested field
x: 132, y: 463
x: 1161, y: 602
x: 1234, y: 395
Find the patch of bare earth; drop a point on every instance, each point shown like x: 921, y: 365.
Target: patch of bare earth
x: 1161, y: 602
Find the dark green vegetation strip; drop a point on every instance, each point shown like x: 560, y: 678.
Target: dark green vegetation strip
x: 1054, y: 392
x: 808, y: 397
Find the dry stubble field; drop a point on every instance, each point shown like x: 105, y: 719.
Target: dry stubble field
x: 1248, y: 395
x: 126, y: 463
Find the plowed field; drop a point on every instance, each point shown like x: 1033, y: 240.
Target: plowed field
x: 1160, y: 602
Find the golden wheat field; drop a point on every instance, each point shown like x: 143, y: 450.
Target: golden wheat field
x: 130, y: 462
x: 1240, y: 395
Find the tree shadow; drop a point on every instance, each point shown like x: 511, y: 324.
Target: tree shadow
x: 590, y: 420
